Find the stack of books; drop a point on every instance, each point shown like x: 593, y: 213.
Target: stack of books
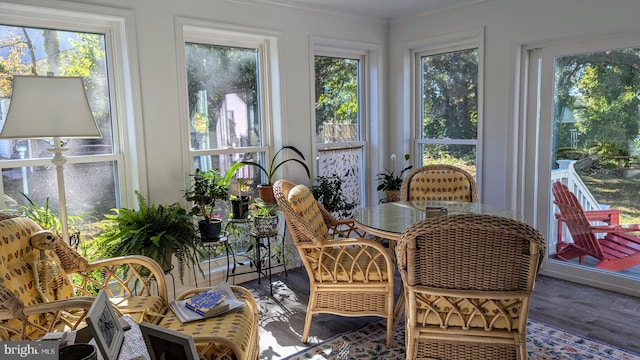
x: 213, y: 302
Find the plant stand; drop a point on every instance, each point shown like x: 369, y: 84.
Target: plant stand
x: 262, y: 255
x: 222, y: 241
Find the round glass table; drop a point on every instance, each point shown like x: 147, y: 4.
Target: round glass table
x: 389, y: 220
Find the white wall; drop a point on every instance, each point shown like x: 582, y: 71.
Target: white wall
x: 507, y: 24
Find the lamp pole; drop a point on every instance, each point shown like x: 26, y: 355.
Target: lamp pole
x: 59, y: 160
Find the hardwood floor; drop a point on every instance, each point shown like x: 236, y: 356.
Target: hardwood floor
x: 598, y: 314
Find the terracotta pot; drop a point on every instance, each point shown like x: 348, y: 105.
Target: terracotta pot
x: 392, y: 195
x: 266, y: 194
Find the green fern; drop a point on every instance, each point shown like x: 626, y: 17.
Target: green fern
x: 156, y: 231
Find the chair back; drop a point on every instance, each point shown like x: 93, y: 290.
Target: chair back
x: 301, y: 212
x: 573, y: 215
x: 468, y: 278
x: 439, y: 182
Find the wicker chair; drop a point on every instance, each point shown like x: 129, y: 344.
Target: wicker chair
x: 467, y: 282
x: 347, y: 276
x: 439, y: 182
x: 135, y: 285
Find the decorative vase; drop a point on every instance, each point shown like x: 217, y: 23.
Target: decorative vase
x: 240, y: 207
x: 266, y: 194
x: 266, y: 225
x: 210, y: 231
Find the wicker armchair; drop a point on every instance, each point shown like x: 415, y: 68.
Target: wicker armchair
x: 467, y: 284
x: 347, y: 276
x: 439, y: 182
x: 135, y: 285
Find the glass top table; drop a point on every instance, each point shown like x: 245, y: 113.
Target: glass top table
x: 389, y: 220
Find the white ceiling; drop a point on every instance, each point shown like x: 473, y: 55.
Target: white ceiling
x: 385, y: 9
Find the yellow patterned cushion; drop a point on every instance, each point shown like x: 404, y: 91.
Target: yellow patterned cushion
x: 17, y: 257
x: 235, y: 327
x: 440, y: 185
x: 306, y: 206
x: 137, y: 306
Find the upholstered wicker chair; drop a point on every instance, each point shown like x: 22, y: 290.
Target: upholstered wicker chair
x: 439, y: 182
x: 135, y: 285
x: 347, y: 276
x: 467, y: 282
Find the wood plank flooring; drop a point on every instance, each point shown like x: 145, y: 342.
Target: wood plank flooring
x: 598, y: 314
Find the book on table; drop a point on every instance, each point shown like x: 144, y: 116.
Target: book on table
x: 213, y: 302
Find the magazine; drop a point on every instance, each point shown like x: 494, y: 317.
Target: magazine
x: 229, y: 302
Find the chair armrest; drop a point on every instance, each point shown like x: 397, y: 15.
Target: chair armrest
x: 609, y: 216
x: 346, y: 228
x: 615, y: 228
x: 20, y: 322
x: 124, y: 276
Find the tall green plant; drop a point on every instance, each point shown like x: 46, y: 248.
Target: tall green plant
x: 273, y: 166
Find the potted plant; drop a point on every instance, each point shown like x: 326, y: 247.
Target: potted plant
x: 328, y: 191
x: 207, y: 188
x: 390, y: 182
x: 156, y: 231
x: 265, y: 218
x: 240, y: 203
x: 266, y: 189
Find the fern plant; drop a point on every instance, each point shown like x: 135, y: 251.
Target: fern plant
x: 156, y: 231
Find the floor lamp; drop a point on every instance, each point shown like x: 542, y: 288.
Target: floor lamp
x: 45, y: 107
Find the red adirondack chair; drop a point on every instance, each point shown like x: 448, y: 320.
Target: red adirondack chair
x: 617, y: 250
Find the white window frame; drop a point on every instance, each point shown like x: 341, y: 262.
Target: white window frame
x: 371, y: 62
x: 124, y: 82
x: 535, y: 121
x: 413, y: 51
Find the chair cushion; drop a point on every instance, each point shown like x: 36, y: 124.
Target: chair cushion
x: 235, y: 327
x: 137, y: 306
x: 440, y: 185
x: 306, y: 206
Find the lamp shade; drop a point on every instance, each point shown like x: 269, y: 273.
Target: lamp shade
x: 49, y: 106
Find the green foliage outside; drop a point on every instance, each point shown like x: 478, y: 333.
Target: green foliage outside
x: 597, y: 102
x: 336, y: 90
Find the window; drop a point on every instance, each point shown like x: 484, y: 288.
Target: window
x: 448, y: 107
x: 94, y: 172
x: 338, y: 126
x: 583, y: 108
x: 225, y: 117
